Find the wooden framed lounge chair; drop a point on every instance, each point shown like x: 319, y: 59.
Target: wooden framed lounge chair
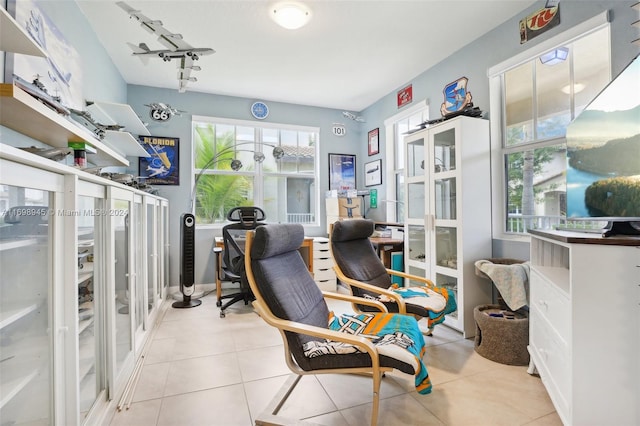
x: 287, y: 298
x: 358, y: 266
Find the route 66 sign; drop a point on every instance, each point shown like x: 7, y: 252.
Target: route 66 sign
x: 162, y: 112
x: 339, y: 129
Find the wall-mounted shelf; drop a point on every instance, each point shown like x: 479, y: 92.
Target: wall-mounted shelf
x: 25, y: 114
x: 14, y: 39
x: 124, y: 143
x: 120, y: 114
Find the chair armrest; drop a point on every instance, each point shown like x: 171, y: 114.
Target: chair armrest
x: 372, y: 288
x: 311, y: 330
x: 424, y: 280
x: 355, y: 299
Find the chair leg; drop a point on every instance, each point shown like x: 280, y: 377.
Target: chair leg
x: 377, y: 378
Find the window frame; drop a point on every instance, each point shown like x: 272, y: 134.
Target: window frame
x: 391, y: 148
x: 498, y: 109
x: 258, y: 189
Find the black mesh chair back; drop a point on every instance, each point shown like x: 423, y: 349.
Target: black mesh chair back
x: 233, y: 234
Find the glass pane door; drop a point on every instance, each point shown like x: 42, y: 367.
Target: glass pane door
x: 444, y: 193
x: 415, y: 200
x: 25, y: 297
x: 91, y: 302
x: 444, y: 151
x: 139, y: 266
x: 165, y: 248
x: 152, y: 267
x: 121, y: 242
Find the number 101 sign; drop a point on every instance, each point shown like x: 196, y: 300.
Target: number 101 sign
x: 339, y: 129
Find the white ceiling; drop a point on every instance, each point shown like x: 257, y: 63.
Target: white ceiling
x: 350, y: 54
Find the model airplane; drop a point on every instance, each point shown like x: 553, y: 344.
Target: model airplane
x: 176, y: 47
x: 99, y: 129
x: 352, y: 116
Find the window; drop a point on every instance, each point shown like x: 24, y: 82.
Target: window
x: 540, y: 96
x: 396, y: 128
x: 235, y: 164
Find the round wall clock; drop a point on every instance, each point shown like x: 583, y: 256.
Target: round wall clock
x: 259, y: 110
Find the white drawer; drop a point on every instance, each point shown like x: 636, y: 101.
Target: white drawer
x: 320, y: 243
x: 327, y: 285
x: 552, y: 360
x: 324, y: 263
x: 324, y: 274
x: 321, y: 254
x: 552, y: 304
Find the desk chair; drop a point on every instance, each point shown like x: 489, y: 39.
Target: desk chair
x: 288, y: 298
x: 232, y: 257
x: 359, y: 267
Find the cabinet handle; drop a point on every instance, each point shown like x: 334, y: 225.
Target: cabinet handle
x: 544, y: 354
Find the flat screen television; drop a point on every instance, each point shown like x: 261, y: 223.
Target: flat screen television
x: 603, y: 156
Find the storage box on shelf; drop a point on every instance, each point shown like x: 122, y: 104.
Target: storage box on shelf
x: 344, y: 206
x: 585, y: 324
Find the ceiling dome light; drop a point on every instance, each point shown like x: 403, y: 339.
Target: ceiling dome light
x: 290, y: 15
x: 577, y: 88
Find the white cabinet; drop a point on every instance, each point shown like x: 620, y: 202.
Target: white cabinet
x: 585, y: 325
x: 448, y: 211
x: 28, y: 253
x: 323, y: 272
x: 69, y: 269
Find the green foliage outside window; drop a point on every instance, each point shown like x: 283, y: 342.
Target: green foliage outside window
x: 216, y: 194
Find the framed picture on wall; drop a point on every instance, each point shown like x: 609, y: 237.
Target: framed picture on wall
x: 373, y: 173
x: 374, y: 141
x: 342, y: 171
x: 161, y: 167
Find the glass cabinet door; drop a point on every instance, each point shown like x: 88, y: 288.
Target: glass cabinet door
x: 91, y: 302
x: 152, y: 259
x: 415, y: 201
x: 415, y: 165
x: 120, y: 217
x: 138, y: 282
x: 444, y: 151
x: 26, y: 340
x: 165, y: 248
x: 444, y: 194
x: 416, y: 243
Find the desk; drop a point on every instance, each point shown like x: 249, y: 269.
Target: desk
x: 384, y: 247
x: 306, y: 250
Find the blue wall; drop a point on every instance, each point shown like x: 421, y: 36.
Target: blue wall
x: 235, y: 108
x: 102, y: 81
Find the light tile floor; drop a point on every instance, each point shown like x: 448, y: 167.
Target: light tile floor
x: 201, y: 369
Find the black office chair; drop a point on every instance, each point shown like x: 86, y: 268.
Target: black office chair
x: 232, y: 267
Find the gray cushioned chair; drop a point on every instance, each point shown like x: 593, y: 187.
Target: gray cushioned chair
x: 288, y: 298
x: 358, y: 266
